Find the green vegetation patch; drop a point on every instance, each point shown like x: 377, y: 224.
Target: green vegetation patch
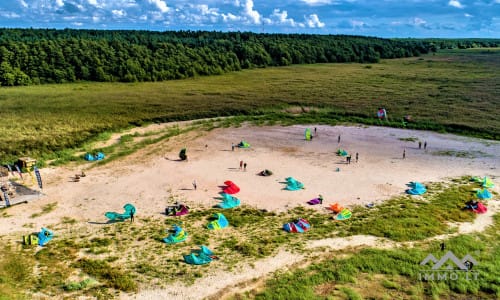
x: 45, y: 210
x: 114, y: 277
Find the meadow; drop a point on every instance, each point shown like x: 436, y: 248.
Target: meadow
x: 452, y: 91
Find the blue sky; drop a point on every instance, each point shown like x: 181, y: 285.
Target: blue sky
x: 382, y: 18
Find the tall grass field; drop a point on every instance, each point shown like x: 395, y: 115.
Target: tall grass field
x: 454, y: 91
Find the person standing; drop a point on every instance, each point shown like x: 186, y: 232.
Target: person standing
x: 404, y: 153
x: 241, y: 164
x: 419, y: 145
x: 357, y: 156
x: 232, y: 146
x: 194, y: 184
x: 425, y: 145
x: 244, y: 166
x: 314, y: 131
x: 338, y: 139
x: 132, y: 216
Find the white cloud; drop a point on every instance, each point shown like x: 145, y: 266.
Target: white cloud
x: 118, y: 12
x: 230, y: 17
x: 250, y: 13
x: 60, y: 3
x: 205, y: 10
x: 281, y: 17
x: 419, y: 22
x: 77, y: 24
x: 455, y: 3
x: 160, y: 4
x: 96, y: 4
x: 9, y: 15
x: 317, y: 2
x: 23, y: 3
x: 357, y: 24
x: 313, y: 21
x: 469, y: 15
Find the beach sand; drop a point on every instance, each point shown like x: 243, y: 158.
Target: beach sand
x: 151, y: 179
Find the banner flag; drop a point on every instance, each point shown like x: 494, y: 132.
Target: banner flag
x: 19, y: 171
x: 6, y: 198
x: 38, y: 177
x: 10, y: 170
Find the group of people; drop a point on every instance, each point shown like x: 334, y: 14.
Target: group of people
x: 243, y: 165
x: 419, y: 147
x: 349, y: 157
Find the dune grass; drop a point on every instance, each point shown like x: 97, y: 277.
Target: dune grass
x: 452, y: 91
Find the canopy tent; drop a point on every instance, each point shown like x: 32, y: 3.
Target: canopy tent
x: 178, y: 235
x: 416, y: 188
x: 114, y: 216
x: 307, y: 134
x: 301, y: 225
x: 483, y: 194
x: 243, y: 144
x: 230, y: 188
x: 228, y: 201
x: 199, y: 257
x: 219, y: 222
x: 293, y: 184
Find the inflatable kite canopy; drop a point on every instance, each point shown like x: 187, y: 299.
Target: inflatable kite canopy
x: 44, y: 236
x: 219, y: 222
x: 231, y: 188
x: 483, y: 194
x: 200, y: 257
x: 243, y: 144
x: 293, y: 184
x: 178, y: 235
x: 114, y: 216
x: 301, y: 225
x: 228, y: 201
x: 416, y: 188
x: 307, y: 134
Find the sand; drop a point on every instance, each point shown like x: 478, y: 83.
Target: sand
x: 148, y: 178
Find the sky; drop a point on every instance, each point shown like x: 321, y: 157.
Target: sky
x: 380, y: 18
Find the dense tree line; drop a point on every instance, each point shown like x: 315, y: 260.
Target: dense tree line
x: 37, y: 56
